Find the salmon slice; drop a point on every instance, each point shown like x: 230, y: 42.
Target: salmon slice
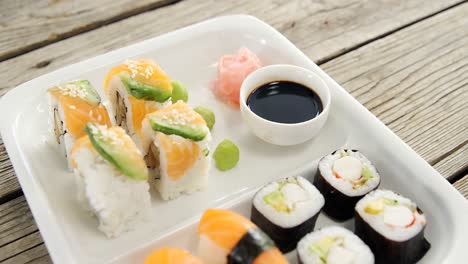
x: 78, y: 112
x: 142, y: 70
x: 140, y: 108
x: 232, y: 71
x: 171, y: 256
x: 223, y: 227
x: 180, y: 154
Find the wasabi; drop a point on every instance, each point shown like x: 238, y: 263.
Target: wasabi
x: 226, y: 155
x: 179, y: 92
x: 207, y: 114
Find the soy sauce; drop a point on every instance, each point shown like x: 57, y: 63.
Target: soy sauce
x: 285, y: 102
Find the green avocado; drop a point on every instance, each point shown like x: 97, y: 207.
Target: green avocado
x: 91, y: 95
x: 195, y: 133
x: 127, y: 163
x: 377, y: 206
x: 322, y: 247
x: 276, y: 200
x: 367, y: 173
x: 144, y: 91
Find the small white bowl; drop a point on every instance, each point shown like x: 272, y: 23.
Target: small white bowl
x: 281, y: 133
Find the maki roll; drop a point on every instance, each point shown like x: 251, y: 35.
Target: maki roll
x: 226, y: 237
x: 72, y: 105
x: 344, y: 177
x: 171, y: 256
x: 111, y: 178
x: 175, y: 145
x: 333, y: 244
x: 135, y: 88
x: 393, y: 227
x: 287, y: 210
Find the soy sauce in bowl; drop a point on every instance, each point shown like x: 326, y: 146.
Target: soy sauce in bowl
x: 285, y: 102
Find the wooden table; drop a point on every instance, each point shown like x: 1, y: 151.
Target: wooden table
x: 406, y: 61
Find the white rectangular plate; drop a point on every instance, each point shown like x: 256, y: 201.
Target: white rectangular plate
x: 190, y: 55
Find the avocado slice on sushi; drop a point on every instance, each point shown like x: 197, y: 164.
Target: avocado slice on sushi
x: 144, y: 91
x: 79, y: 88
x: 179, y: 119
x: 115, y: 146
x: 322, y: 247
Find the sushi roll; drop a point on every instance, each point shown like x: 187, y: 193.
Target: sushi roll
x: 171, y: 256
x: 135, y: 88
x: 175, y: 145
x: 226, y: 237
x: 333, y: 244
x: 344, y: 177
x: 72, y: 105
x: 287, y: 210
x: 111, y: 178
x: 393, y: 227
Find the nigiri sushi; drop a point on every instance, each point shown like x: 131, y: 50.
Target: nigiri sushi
x: 226, y: 237
x: 135, y: 88
x: 232, y: 70
x: 72, y: 105
x: 111, y: 178
x: 171, y: 256
x: 175, y: 144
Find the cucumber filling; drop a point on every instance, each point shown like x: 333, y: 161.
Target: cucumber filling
x: 331, y: 250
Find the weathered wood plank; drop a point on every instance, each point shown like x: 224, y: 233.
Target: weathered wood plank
x: 322, y: 29
x: 454, y: 162
x: 416, y: 82
x: 36, y: 255
x: 26, y: 25
x: 462, y: 186
x: 343, y: 25
x: 8, y: 181
x: 18, y: 232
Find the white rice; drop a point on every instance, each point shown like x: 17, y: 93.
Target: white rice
x: 353, y: 250
x: 117, y: 201
x: 343, y: 185
x: 300, y: 195
x: 195, y: 179
x: 66, y: 140
x: 376, y: 221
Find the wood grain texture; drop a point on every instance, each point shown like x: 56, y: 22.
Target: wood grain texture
x: 416, y: 82
x: 462, y: 186
x: 28, y: 24
x: 8, y: 182
x: 18, y: 232
x: 454, y: 163
x: 322, y: 29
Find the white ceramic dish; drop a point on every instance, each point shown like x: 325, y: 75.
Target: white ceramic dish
x: 190, y: 55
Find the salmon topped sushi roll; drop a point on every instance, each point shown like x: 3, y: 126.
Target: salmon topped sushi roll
x: 111, y: 178
x: 171, y: 256
x: 72, y: 105
x: 226, y: 237
x: 175, y: 144
x: 135, y: 88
